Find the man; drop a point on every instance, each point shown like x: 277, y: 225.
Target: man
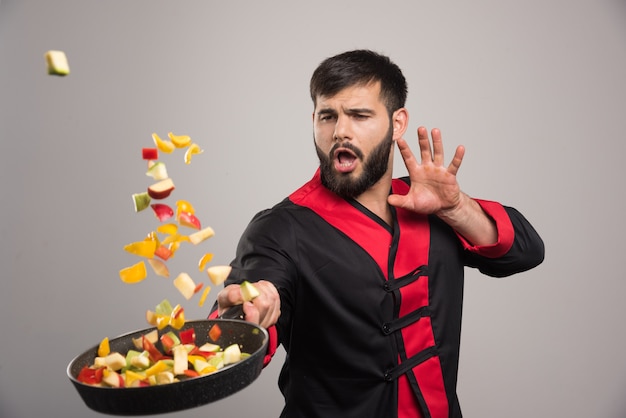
x: 360, y: 274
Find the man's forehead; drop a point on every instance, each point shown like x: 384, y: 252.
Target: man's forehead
x: 357, y: 95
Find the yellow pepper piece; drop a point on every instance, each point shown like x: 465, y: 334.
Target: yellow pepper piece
x: 152, y: 236
x: 207, y: 370
x: 169, y: 229
x: 142, y: 248
x: 205, y: 292
x: 131, y: 376
x: 162, y: 321
x: 134, y: 274
x: 163, y: 146
x: 104, y: 349
x: 192, y: 150
x: 192, y: 358
x: 177, y: 319
x: 184, y: 206
x: 204, y: 260
x: 158, y: 367
x: 179, y: 141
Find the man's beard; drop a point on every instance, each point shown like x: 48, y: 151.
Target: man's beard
x: 373, y: 168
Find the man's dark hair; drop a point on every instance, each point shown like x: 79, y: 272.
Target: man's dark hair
x: 360, y: 67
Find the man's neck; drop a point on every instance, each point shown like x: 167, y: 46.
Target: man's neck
x: 375, y: 199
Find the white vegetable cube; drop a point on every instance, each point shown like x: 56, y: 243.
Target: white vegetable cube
x: 232, y: 354
x: 57, y: 63
x: 164, y: 378
x: 180, y: 359
x: 185, y: 285
x: 115, y: 361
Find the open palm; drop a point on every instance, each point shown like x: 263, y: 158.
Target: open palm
x: 434, y: 187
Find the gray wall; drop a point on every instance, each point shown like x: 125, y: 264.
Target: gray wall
x: 535, y: 90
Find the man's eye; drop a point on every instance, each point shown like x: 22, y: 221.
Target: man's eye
x: 326, y: 117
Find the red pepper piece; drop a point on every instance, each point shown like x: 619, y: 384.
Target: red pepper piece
x: 187, y: 336
x: 149, y: 153
x: 163, y: 252
x: 215, y: 332
x: 191, y: 373
x: 153, y: 352
x: 90, y: 376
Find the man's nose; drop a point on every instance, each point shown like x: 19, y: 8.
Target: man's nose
x: 343, y: 129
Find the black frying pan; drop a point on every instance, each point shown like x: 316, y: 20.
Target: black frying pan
x: 187, y: 393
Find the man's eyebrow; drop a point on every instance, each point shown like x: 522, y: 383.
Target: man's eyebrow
x: 360, y: 111
x: 326, y: 111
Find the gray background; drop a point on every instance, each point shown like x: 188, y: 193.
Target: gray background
x: 535, y: 90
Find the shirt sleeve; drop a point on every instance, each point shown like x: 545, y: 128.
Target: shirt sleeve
x: 504, y: 226
x: 519, y: 246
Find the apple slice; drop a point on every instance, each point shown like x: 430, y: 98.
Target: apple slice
x: 157, y: 171
x: 159, y: 267
x: 57, y: 63
x: 141, y: 201
x: 248, y: 291
x: 152, y: 336
x: 162, y: 212
x: 203, y: 234
x: 161, y: 189
x: 189, y: 220
x: 232, y: 354
x: 218, y: 274
x: 185, y: 285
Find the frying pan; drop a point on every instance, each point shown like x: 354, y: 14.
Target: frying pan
x: 188, y: 393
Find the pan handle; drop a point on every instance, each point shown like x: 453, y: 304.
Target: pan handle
x: 234, y: 312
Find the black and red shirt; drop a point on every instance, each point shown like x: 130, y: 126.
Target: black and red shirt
x: 371, y: 313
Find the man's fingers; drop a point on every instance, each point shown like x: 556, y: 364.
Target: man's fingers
x: 437, y: 147
x: 455, y: 164
x: 424, y: 143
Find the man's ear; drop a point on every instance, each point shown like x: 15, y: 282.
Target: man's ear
x: 400, y: 121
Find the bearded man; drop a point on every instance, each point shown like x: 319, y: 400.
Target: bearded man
x: 360, y: 274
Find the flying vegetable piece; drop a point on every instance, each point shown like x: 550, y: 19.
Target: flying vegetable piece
x: 204, y: 260
x: 163, y: 145
x: 177, y: 318
x: 149, y: 153
x: 161, y: 189
x: 157, y: 170
x: 184, y: 206
x: 159, y: 267
x: 57, y: 63
x: 179, y: 141
x: 134, y: 274
x: 143, y: 248
x: 191, y: 151
x: 189, y: 220
x: 185, y: 285
x: 163, y: 252
x: 168, y: 229
x: 201, y: 235
x: 218, y: 274
x: 162, y: 211
x: 205, y: 293
x: 141, y: 201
